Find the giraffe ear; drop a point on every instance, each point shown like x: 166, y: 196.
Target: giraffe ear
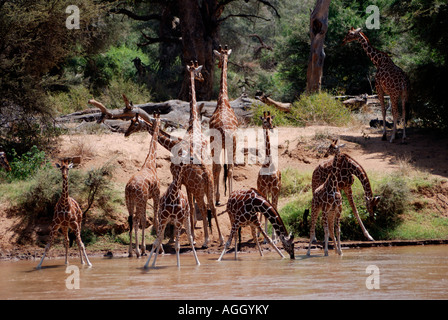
x: 376, y: 200
x: 199, y: 69
x: 216, y: 53
x: 58, y: 165
x: 70, y: 166
x: 229, y: 52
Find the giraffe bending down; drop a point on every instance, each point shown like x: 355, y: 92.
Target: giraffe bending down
x: 389, y: 79
x: 327, y: 198
x: 348, y: 168
x: 173, y: 208
x: 225, y: 122
x: 143, y: 185
x: 196, y: 177
x: 3, y: 161
x: 269, y: 179
x: 243, y: 207
x: 67, y: 214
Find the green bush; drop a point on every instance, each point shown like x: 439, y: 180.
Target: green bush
x: 320, y: 108
x: 27, y: 164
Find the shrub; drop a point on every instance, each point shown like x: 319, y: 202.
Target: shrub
x: 316, y: 108
x: 320, y: 108
x: 27, y: 164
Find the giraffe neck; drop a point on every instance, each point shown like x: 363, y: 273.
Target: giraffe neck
x: 271, y: 214
x: 150, y: 161
x: 335, y: 173
x: 223, y: 98
x: 194, y: 128
x: 268, y: 159
x: 64, y: 195
x: 357, y: 170
x: 376, y: 56
x: 165, y: 139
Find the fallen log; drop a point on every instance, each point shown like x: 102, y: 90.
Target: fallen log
x: 174, y: 113
x: 285, y: 107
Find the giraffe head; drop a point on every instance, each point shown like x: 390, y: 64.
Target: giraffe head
x: 3, y: 161
x: 64, y: 166
x: 196, y: 69
x: 267, y: 120
x: 135, y: 126
x: 334, y: 148
x: 222, y: 54
x: 288, y: 245
x: 371, y: 204
x: 352, y: 35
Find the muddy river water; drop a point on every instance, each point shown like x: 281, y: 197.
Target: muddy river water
x: 414, y: 272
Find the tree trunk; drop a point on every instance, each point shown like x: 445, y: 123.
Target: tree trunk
x: 318, y: 30
x: 200, y: 34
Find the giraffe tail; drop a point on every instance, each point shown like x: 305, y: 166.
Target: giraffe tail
x: 209, y: 218
x: 226, y: 173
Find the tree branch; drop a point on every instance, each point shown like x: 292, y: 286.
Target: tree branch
x: 243, y: 16
x: 135, y: 16
x: 157, y: 40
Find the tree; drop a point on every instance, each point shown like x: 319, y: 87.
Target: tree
x: 188, y: 29
x: 318, y: 30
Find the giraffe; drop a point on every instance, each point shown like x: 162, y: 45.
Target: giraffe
x: 143, y: 185
x: 349, y: 168
x: 196, y: 177
x: 67, y: 214
x: 3, y: 161
x: 225, y: 122
x: 269, y: 179
x: 173, y: 207
x: 389, y: 79
x: 327, y: 198
x: 243, y: 207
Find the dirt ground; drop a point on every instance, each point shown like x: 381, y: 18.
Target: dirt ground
x: 299, y: 148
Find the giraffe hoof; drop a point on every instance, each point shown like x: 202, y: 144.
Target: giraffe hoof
x: 217, y: 203
x: 204, y: 246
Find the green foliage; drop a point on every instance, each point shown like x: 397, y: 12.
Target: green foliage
x: 27, y: 164
x: 316, y: 108
x: 320, y: 108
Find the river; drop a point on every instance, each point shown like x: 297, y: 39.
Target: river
x: 412, y: 272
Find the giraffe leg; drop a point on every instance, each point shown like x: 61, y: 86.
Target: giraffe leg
x: 337, y: 225
x: 403, y: 117
x: 314, y: 214
x: 325, y: 222
x: 394, y: 101
x: 178, y: 228
x: 136, y: 225
x: 82, y: 248
x: 143, y: 224
x: 53, y: 232
x: 216, y: 168
x: 203, y: 210
x: 270, y: 241
x: 229, y: 241
x: 156, y: 244
x: 254, y: 235
x: 190, y: 238
x: 348, y: 192
x: 383, y: 109
x: 66, y: 243
x: 331, y: 218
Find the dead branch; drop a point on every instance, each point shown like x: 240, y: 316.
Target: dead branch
x: 285, y: 107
